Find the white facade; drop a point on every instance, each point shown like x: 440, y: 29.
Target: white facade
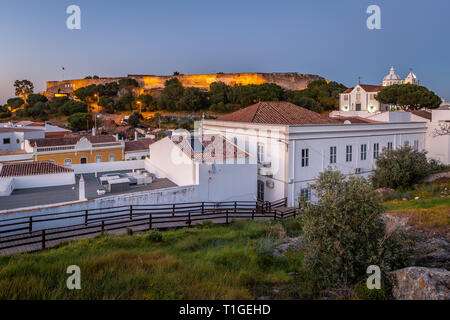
x: 215, y: 181
x: 13, y: 138
x: 291, y: 157
x: 361, y: 99
x: 438, y: 145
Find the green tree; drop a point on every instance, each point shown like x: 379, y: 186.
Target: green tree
x: 344, y: 232
x: 193, y: 100
x: 33, y: 98
x: 57, y: 102
x: 126, y: 101
x: 80, y: 121
x: 306, y: 102
x: 173, y: 91
x: 38, y: 110
x: 400, y: 168
x: 147, y: 102
x: 409, y: 97
x: 134, y: 119
x: 72, y: 107
x: 23, y: 88
x: 15, y: 103
x: 128, y: 83
x: 108, y: 104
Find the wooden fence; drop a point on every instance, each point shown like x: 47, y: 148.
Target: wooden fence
x: 21, y: 233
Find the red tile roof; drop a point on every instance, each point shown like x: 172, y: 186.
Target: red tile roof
x: 72, y: 140
x: 139, y: 145
x: 422, y: 114
x: 367, y: 88
x: 210, y: 148
x: 277, y: 113
x: 31, y: 168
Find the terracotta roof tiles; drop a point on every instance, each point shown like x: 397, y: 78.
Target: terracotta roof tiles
x: 31, y: 168
x: 285, y: 113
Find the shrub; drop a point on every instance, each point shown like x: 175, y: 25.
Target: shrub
x: 400, y: 168
x: 344, y: 232
x: 72, y: 107
x: 154, y: 236
x: 80, y: 121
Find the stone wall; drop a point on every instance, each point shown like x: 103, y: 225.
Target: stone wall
x: 289, y: 81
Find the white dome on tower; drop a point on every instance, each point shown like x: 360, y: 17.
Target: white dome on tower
x: 392, y: 78
x: 411, y: 78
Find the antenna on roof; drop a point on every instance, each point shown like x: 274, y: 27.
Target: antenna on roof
x: 359, y: 80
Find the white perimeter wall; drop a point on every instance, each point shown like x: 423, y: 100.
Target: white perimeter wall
x: 230, y: 182
x: 44, y: 180
x: 108, y: 166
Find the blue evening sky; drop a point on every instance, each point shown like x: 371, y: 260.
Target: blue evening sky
x: 329, y: 38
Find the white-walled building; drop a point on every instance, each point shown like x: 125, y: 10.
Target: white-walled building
x: 220, y: 170
x: 14, y: 138
x: 293, y: 145
x: 438, y: 138
x: 361, y: 98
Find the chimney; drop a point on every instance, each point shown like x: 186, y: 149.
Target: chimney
x: 82, y: 190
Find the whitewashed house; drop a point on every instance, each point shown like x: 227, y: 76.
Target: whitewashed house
x: 220, y: 170
x: 293, y: 145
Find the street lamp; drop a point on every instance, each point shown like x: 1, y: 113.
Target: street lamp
x: 140, y: 106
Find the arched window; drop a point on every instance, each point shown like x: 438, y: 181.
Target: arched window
x: 83, y: 160
x: 98, y: 159
x: 68, y: 162
x: 112, y: 157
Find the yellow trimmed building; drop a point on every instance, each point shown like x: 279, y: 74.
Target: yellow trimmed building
x: 76, y: 150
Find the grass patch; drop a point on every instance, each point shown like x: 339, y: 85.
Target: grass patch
x: 207, y: 262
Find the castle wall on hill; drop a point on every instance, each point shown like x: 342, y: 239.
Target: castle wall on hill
x: 289, y: 81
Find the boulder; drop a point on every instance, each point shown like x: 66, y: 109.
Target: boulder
x: 286, y: 245
x: 419, y: 283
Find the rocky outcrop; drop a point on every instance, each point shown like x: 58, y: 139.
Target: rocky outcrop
x: 419, y: 283
x: 288, y: 244
x: 432, y: 252
x: 383, y: 191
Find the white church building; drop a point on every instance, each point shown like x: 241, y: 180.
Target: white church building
x: 360, y: 100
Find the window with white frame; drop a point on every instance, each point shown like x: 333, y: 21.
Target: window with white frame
x: 389, y: 145
x: 348, y: 153
x: 363, y: 151
x: 305, y: 157
x: 305, y: 194
x: 112, y: 157
x: 416, y: 145
x: 333, y: 154
x: 260, y: 153
x: 68, y: 162
x: 98, y: 159
x: 260, y: 191
x: 376, y: 150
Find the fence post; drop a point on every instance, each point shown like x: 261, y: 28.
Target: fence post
x: 43, y: 239
x: 274, y: 215
x: 203, y: 207
x: 189, y: 219
x: 150, y: 222
x: 173, y: 210
x: 285, y: 202
x: 86, y: 214
x: 131, y: 212
x: 226, y: 216
x: 103, y: 226
x: 30, y: 224
x: 253, y: 214
x: 235, y: 207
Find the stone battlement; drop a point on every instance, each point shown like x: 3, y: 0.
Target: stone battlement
x: 289, y: 81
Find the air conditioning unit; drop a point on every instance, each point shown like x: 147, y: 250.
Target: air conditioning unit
x: 357, y: 170
x: 265, y: 171
x: 270, y: 184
